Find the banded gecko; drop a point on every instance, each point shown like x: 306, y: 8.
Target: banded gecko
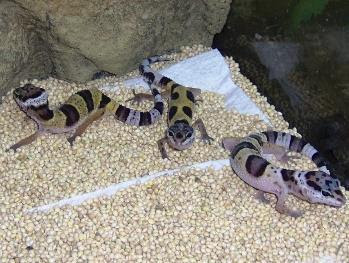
x: 78, y: 112
x: 313, y: 186
x: 180, y: 134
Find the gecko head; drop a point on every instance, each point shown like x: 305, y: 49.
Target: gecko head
x: 30, y: 96
x: 321, y: 187
x: 180, y: 136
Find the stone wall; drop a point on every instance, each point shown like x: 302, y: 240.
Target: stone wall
x: 72, y: 39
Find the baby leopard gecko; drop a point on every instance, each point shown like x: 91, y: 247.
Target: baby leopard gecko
x: 78, y: 112
x: 180, y: 134
x: 312, y: 186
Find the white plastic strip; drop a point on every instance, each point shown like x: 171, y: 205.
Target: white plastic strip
x: 111, y: 190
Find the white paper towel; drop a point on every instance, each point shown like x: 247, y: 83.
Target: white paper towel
x: 208, y: 71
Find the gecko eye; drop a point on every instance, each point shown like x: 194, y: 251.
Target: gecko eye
x: 189, y: 134
x: 171, y: 134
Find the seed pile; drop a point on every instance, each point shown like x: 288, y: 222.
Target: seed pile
x: 192, y: 216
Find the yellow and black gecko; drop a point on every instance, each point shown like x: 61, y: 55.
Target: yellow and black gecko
x: 180, y: 134
x: 78, y: 112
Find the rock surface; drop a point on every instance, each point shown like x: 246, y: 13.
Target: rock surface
x: 23, y: 52
x: 79, y: 38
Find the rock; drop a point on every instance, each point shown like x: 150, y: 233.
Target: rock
x: 23, y: 52
x: 115, y: 35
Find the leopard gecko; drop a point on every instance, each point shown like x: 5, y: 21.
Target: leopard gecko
x: 78, y: 112
x: 313, y: 186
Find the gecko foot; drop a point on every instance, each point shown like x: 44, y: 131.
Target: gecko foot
x: 289, y: 212
x: 71, y: 140
x: 137, y: 99
x: 206, y: 139
x: 261, y: 197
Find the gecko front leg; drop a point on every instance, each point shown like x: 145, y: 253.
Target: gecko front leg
x: 282, y: 208
x: 25, y: 141
x: 198, y: 124
x: 162, y: 149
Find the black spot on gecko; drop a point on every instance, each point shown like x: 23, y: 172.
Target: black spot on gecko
x: 286, y: 174
x: 174, y: 85
x: 257, y: 138
x: 190, y: 96
x: 164, y: 81
x: 310, y: 174
x: 256, y: 165
x: 172, y: 112
x: 328, y: 183
x: 104, y: 101
x: 149, y: 76
x: 325, y: 193
x: 188, y: 111
x: 71, y: 113
x: 87, y: 97
x: 122, y: 113
x: 174, y: 95
x: 314, y: 185
x: 338, y: 192
x: 240, y: 146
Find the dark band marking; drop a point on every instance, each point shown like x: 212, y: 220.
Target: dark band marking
x: 287, y: 175
x: 104, y: 101
x: 338, y: 192
x: 122, y: 113
x: 141, y: 69
x: 301, y: 145
x: 310, y: 174
x: 325, y: 193
x: 257, y: 138
x: 314, y: 185
x: 164, y: 81
x: 159, y: 106
x: 174, y: 95
x: 173, y: 86
x: 71, y: 113
x: 188, y: 111
x: 190, y: 96
x: 43, y: 111
x: 155, y: 92
x: 149, y: 76
x: 255, y: 165
x: 87, y: 96
x: 240, y: 146
x: 172, y: 112
x: 181, y: 121
x: 145, y: 119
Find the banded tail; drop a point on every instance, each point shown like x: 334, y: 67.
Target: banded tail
x: 140, y: 118
x: 149, y: 75
x: 293, y: 143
